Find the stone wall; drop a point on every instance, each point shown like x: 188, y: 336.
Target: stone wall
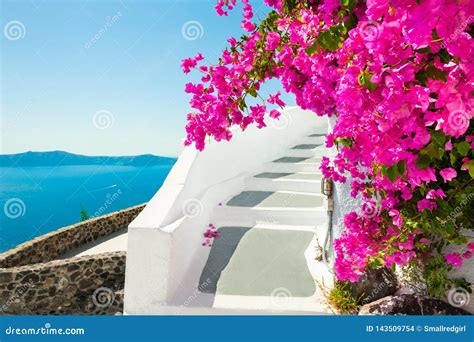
x: 83, y: 285
x: 52, y: 245
x: 32, y: 281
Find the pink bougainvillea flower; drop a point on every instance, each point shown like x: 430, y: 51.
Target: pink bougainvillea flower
x: 448, y: 174
x: 247, y: 25
x: 275, y: 99
x: 211, y: 233
x: 434, y: 194
x: 448, y: 146
x: 397, y: 219
x: 273, y: 39
x: 274, y: 114
x: 426, y: 204
x: 454, y: 259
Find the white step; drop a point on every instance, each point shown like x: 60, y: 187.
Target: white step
x: 283, y: 207
x: 303, y: 181
x: 319, y: 151
x: 238, y: 216
x: 270, y: 269
x: 185, y: 310
x: 276, y: 226
x: 282, y: 301
x: 306, y: 146
x: 319, y: 140
x: 323, y: 130
x: 303, y: 153
x: 292, y: 167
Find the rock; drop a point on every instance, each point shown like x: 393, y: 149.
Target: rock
x: 410, y: 304
x: 5, y: 277
x: 373, y: 285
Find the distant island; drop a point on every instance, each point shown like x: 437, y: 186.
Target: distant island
x: 61, y: 158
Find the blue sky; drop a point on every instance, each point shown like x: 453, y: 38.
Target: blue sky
x: 78, y: 65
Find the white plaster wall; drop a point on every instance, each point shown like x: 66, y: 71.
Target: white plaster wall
x: 344, y: 203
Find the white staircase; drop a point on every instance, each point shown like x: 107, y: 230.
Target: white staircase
x: 267, y: 216
x: 272, y: 266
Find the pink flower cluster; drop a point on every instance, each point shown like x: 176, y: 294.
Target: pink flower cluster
x: 457, y: 259
x: 210, y: 234
x: 396, y: 80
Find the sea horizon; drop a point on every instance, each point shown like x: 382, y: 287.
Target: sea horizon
x: 39, y: 199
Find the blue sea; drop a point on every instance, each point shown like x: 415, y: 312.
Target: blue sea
x: 38, y: 200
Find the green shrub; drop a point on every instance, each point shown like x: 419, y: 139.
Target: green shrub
x: 341, y: 298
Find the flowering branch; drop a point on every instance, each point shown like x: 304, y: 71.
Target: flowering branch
x: 399, y: 75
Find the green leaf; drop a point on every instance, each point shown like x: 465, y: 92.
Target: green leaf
x: 452, y: 158
x: 392, y: 172
x: 444, y: 56
x: 423, y: 161
x: 424, y: 50
x: 421, y: 77
x: 312, y: 49
x: 435, y: 35
x: 471, y: 168
x: 463, y: 148
x: 329, y: 40
x: 438, y: 137
x: 364, y: 80
x: 436, y: 74
x: 433, y: 150
x: 350, y: 4
x: 347, y: 142
x: 351, y: 22
x: 401, y: 165
x: 242, y: 105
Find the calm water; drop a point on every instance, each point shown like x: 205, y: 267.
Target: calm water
x: 37, y: 200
